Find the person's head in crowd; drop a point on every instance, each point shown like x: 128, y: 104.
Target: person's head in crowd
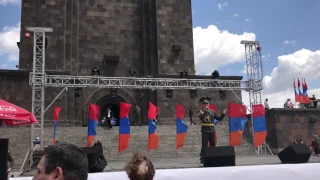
x: 62, y: 162
x: 140, y: 168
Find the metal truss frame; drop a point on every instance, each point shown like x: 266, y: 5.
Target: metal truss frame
x: 255, y: 79
x: 143, y: 83
x: 38, y: 85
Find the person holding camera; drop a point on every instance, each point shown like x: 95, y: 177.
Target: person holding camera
x: 207, y: 117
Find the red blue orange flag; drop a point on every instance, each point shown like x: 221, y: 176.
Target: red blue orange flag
x: 56, y: 113
x: 259, y: 125
x: 181, y: 126
x: 296, y: 95
x: 124, y: 127
x: 214, y: 108
x: 237, y: 121
x: 153, y: 139
x: 93, y: 120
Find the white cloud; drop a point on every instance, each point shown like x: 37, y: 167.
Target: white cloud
x: 5, y: 2
x: 291, y: 43
x: 222, y: 5
x: 214, y: 48
x: 302, y: 63
x: 8, y: 42
x: 236, y: 15
x: 247, y: 20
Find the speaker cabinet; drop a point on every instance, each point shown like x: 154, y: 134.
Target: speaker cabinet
x: 96, y: 159
x: 219, y: 156
x: 295, y: 153
x: 4, y: 146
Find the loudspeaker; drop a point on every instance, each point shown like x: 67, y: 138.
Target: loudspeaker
x: 96, y: 159
x: 295, y: 153
x: 4, y: 145
x: 219, y: 156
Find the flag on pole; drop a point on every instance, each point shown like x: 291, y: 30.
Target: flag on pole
x: 296, y: 95
x: 259, y: 124
x: 300, y: 93
x: 124, y: 129
x: 93, y: 120
x: 214, y: 108
x: 181, y: 126
x: 56, y: 113
x: 153, y: 139
x: 237, y: 122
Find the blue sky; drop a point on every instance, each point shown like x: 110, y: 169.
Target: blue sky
x: 283, y: 28
x: 272, y: 21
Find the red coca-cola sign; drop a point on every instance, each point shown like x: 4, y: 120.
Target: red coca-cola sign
x: 7, y: 108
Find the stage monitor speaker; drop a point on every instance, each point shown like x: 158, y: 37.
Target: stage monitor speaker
x: 96, y: 159
x: 219, y: 156
x: 295, y: 153
x: 4, y: 146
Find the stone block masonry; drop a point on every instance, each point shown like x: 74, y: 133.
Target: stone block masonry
x: 286, y: 125
x: 19, y: 141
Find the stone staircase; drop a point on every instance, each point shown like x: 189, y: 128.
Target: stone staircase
x: 19, y: 141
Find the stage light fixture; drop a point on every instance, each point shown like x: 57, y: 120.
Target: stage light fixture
x: 193, y: 94
x: 140, y: 93
x: 184, y: 75
x: 215, y: 74
x: 95, y: 72
x: 169, y: 93
x: 77, y: 92
x: 113, y: 92
x: 222, y: 94
x: 132, y: 72
x: 27, y: 35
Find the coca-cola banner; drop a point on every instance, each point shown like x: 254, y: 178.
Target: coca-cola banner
x: 12, y: 115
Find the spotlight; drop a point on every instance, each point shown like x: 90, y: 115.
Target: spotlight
x: 140, y: 93
x: 259, y: 48
x: 95, y: 72
x: 132, y: 72
x: 215, y: 74
x: 222, y: 94
x: 169, y: 93
x: 184, y: 74
x: 77, y: 92
x: 27, y: 35
x: 193, y: 94
x: 113, y: 92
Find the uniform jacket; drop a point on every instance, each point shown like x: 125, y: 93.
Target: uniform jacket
x: 207, y: 119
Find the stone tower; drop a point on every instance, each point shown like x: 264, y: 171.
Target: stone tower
x: 152, y: 37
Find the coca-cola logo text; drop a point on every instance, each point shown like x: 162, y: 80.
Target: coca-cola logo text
x: 7, y: 108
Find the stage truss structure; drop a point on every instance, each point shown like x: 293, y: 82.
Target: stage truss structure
x: 39, y: 80
x: 38, y: 92
x: 254, y: 77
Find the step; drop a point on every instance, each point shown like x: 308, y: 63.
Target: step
x: 19, y: 141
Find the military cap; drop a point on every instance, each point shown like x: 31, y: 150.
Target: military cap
x: 204, y: 100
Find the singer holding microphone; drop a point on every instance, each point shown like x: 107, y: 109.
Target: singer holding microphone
x: 207, y: 117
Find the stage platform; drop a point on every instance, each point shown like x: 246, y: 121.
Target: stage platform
x: 193, y: 162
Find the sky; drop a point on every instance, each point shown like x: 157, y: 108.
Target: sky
x: 288, y: 32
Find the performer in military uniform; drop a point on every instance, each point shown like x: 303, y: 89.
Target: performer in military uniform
x: 207, y: 117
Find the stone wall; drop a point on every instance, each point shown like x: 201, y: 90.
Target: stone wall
x: 15, y: 88
x: 286, y: 125
x: 174, y: 22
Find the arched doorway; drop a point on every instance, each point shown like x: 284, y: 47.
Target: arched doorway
x: 112, y: 102
x: 105, y: 99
